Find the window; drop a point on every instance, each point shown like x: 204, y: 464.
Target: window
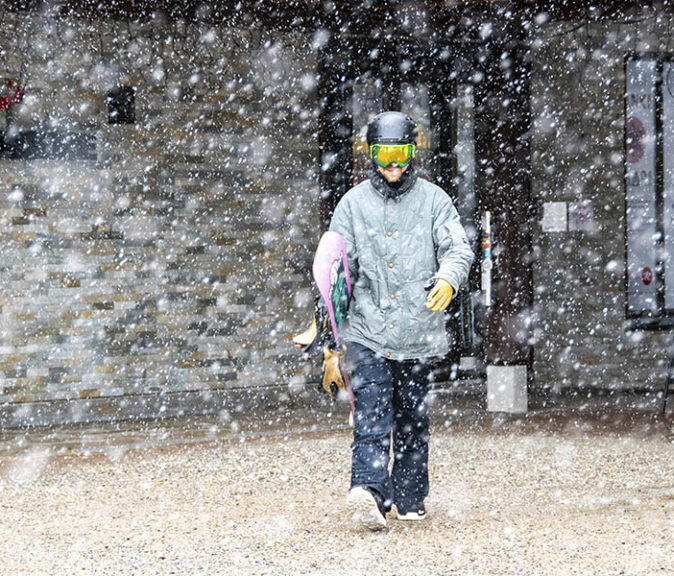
x: 121, y: 102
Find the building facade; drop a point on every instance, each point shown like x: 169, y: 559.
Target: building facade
x: 165, y: 176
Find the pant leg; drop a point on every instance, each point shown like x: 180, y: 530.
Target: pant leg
x: 411, y: 433
x: 372, y: 391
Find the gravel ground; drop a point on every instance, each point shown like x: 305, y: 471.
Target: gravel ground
x: 508, y: 496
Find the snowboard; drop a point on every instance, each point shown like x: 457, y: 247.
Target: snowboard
x: 331, y: 275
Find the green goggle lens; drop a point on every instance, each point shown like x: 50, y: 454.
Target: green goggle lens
x: 385, y: 154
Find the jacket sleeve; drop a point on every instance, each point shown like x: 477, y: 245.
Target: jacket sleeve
x: 342, y: 222
x: 454, y: 253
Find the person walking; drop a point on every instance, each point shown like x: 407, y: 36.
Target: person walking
x: 408, y: 255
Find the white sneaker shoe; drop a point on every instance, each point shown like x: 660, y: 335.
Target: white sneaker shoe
x: 365, y: 510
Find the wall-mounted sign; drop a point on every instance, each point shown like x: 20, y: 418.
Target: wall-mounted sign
x: 581, y: 216
x: 554, y: 217
x: 668, y: 179
x: 641, y: 185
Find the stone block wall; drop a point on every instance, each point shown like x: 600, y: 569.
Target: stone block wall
x: 578, y: 114
x: 173, y: 253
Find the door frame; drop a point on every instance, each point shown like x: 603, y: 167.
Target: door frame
x: 338, y: 76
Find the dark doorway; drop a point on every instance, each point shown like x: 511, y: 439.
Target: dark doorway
x: 364, y: 74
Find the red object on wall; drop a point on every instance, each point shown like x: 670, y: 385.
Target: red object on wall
x: 14, y: 95
x: 647, y: 276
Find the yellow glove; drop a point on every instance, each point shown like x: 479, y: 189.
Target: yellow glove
x: 440, y: 296
x: 333, y: 381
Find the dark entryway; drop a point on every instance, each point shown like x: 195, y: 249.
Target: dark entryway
x: 380, y: 67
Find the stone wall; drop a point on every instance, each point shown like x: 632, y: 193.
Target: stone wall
x: 171, y: 254
x: 578, y: 114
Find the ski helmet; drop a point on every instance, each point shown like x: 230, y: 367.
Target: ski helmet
x: 392, y: 128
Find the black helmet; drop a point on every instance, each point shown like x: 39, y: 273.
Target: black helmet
x: 392, y: 128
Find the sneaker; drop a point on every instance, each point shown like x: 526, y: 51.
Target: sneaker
x: 417, y: 512
x: 367, y: 508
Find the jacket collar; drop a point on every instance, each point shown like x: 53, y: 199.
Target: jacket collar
x: 393, y: 191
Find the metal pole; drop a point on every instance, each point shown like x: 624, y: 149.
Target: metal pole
x: 670, y: 374
x: 487, y: 263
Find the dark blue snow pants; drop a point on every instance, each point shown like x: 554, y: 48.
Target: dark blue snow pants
x: 390, y: 404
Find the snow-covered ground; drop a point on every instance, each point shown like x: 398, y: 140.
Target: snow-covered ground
x: 552, y: 495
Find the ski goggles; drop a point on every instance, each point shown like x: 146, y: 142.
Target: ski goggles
x: 385, y: 154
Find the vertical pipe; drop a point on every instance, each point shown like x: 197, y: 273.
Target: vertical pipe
x: 487, y: 263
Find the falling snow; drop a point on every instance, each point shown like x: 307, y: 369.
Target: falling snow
x: 165, y: 176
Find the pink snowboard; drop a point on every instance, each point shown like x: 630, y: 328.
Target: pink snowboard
x: 331, y: 274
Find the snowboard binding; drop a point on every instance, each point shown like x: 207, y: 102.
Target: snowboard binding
x: 312, y: 340
x: 317, y: 339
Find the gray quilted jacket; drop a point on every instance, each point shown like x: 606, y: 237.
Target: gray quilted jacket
x: 395, y: 246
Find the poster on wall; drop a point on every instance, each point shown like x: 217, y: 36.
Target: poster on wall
x: 640, y: 157
x: 366, y: 104
x: 668, y: 179
x: 466, y: 199
x: 415, y: 102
